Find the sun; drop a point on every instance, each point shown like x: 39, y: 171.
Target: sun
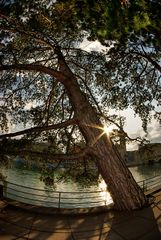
x: 107, y: 129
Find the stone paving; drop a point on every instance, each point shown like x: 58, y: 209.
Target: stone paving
x: 144, y: 224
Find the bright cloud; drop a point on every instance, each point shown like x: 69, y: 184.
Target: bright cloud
x: 92, y: 46
x: 133, y: 127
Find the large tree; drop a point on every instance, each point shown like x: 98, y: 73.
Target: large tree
x: 51, y: 84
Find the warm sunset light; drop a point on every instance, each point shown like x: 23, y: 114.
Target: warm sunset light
x: 107, y: 129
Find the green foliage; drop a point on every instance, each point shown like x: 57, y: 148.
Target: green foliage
x: 85, y: 179
x: 114, y: 20
x: 9, y: 145
x: 83, y: 174
x: 48, y: 178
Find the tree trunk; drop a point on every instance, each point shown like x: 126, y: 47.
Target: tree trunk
x: 126, y: 193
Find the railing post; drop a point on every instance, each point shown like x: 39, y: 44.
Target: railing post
x: 59, y: 199
x: 144, y: 186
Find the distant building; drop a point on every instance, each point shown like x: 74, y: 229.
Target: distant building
x: 146, y: 154
x: 150, y: 153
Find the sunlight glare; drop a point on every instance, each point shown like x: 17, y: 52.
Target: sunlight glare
x: 107, y: 130
x: 104, y: 192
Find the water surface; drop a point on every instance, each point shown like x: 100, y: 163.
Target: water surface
x: 47, y: 196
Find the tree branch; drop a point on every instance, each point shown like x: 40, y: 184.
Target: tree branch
x: 22, y: 88
x: 147, y: 57
x: 48, y: 102
x: 138, y: 139
x: 41, y: 129
x: 19, y: 28
x: 90, y: 92
x: 34, y: 67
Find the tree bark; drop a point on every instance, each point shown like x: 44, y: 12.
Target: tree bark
x: 126, y: 193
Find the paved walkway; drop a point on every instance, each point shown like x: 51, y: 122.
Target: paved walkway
x: 145, y: 224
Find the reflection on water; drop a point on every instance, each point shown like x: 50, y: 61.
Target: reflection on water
x: 31, y: 178
x: 143, y: 172
x: 50, y: 198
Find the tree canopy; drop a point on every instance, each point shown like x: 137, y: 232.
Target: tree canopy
x: 128, y: 74
x: 115, y: 20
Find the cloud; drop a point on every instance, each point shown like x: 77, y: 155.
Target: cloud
x: 92, y: 46
x: 154, y: 134
x: 29, y: 105
x: 154, y: 131
x: 133, y: 127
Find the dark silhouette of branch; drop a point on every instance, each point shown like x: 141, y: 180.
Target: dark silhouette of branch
x: 138, y: 139
x: 41, y: 129
x: 35, y: 67
x: 147, y: 57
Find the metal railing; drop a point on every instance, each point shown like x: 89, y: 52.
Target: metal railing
x: 150, y: 183
x: 51, y: 198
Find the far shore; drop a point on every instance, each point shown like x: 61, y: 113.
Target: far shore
x: 135, y: 164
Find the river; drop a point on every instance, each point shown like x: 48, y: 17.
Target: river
x: 31, y: 179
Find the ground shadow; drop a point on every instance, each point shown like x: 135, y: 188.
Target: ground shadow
x: 111, y: 225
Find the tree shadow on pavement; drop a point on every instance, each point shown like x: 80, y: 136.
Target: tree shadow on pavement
x: 111, y: 225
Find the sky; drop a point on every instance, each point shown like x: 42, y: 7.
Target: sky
x: 133, y: 127
x: 133, y: 124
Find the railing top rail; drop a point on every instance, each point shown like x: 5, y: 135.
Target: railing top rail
x: 146, y: 179
x: 54, y: 197
x: 75, y: 192
x: 39, y: 189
